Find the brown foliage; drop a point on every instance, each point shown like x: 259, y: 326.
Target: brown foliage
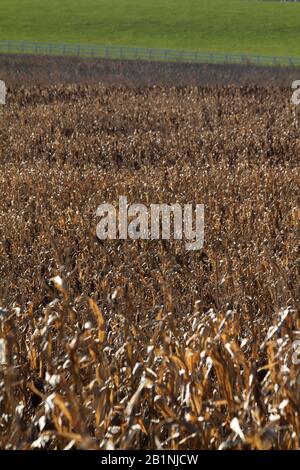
x: 141, y: 344
x: 30, y: 70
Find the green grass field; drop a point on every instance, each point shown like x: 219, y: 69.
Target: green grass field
x: 241, y: 26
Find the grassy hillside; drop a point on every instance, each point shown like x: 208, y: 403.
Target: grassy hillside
x: 271, y: 28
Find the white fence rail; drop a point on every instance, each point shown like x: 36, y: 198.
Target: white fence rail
x: 138, y: 53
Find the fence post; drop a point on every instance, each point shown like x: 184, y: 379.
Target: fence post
x: 23, y: 47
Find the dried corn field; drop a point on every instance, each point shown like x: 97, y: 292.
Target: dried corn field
x: 142, y: 344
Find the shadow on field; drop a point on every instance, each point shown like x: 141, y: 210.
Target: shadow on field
x: 29, y: 70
